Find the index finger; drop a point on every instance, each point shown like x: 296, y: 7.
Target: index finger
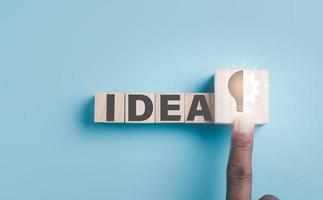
x: 239, y: 169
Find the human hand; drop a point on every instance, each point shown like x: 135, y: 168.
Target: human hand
x: 239, y: 169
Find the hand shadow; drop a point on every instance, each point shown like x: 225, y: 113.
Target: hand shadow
x: 213, y: 141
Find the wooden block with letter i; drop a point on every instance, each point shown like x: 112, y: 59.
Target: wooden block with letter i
x: 140, y: 108
x: 109, y: 108
x: 199, y: 108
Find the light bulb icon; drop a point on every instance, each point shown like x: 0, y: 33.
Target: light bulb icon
x: 235, y: 87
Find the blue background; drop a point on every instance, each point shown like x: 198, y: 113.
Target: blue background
x: 56, y: 55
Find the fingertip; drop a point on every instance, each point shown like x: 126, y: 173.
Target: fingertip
x: 243, y: 131
x: 244, y: 124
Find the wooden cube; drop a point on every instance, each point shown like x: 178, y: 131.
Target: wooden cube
x: 241, y: 92
x: 140, y: 108
x: 109, y: 108
x: 199, y: 108
x: 169, y: 107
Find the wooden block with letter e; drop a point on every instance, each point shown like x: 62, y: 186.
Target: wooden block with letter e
x: 140, y: 108
x: 241, y: 92
x: 199, y: 107
x: 109, y: 107
x: 169, y: 107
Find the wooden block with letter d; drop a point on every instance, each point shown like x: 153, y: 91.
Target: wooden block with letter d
x: 199, y: 108
x: 140, y: 108
x: 169, y: 107
x: 109, y: 108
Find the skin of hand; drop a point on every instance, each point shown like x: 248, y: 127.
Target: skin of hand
x: 239, y: 169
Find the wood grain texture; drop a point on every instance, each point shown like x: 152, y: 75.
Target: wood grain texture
x: 173, y: 112
x: 101, y: 109
x: 209, y: 97
x: 255, y: 96
x: 140, y: 108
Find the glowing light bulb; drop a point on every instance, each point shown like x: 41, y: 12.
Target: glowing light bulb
x: 235, y: 86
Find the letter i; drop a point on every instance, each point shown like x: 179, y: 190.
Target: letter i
x: 110, y: 107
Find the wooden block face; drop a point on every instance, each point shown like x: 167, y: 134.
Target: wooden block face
x: 199, y: 108
x: 109, y: 108
x: 169, y: 107
x: 241, y: 92
x: 140, y: 108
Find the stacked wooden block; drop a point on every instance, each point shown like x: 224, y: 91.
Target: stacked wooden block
x: 154, y: 107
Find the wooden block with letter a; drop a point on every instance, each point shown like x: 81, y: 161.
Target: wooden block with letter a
x: 140, y: 108
x: 169, y: 108
x: 199, y: 108
x: 109, y: 107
